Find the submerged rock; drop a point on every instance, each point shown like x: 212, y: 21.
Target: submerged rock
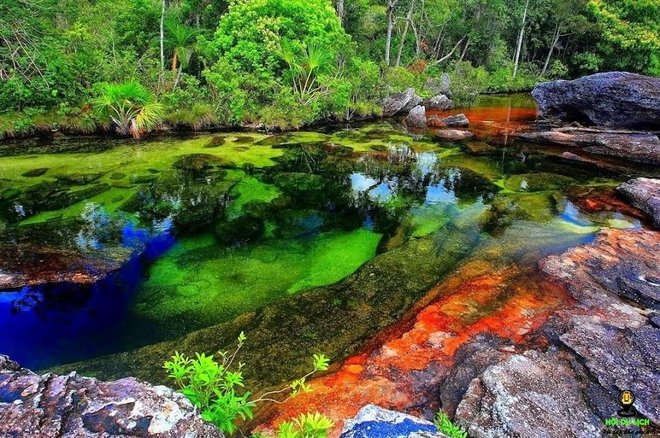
x: 401, y: 103
x: 452, y: 134
x: 417, y: 117
x: 617, y: 99
x: 35, y: 172
x: 199, y: 162
x: 631, y: 146
x: 644, y: 193
x: 375, y: 422
x: 71, y: 405
x: 455, y: 121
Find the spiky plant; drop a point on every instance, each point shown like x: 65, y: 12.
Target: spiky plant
x: 130, y: 106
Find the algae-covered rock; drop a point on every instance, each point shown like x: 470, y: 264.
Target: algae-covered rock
x: 303, y: 186
x: 35, y: 172
x: 215, y: 141
x: 78, y: 179
x: 536, y: 182
x: 506, y: 208
x: 247, y: 227
x: 199, y: 162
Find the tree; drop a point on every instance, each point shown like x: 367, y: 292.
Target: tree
x: 391, y: 4
x: 631, y: 32
x: 520, y: 40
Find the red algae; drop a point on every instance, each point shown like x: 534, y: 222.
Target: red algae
x: 493, y: 122
x: 509, y: 302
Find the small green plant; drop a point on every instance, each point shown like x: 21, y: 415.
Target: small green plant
x: 305, y: 426
x: 218, y: 390
x: 444, y: 425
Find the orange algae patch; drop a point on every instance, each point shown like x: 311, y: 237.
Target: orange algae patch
x: 509, y: 303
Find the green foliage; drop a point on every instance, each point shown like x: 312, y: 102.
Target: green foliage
x: 305, y: 426
x: 130, y: 106
x: 445, y: 426
x: 218, y: 390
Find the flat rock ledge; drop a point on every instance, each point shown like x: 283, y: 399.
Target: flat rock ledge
x: 644, y: 193
x: 73, y: 406
x: 638, y: 147
x: 375, y: 422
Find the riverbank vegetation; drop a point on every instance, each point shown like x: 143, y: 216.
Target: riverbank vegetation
x: 193, y: 64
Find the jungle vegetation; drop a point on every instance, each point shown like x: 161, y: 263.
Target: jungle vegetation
x: 129, y: 66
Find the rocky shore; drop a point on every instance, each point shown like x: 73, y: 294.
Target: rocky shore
x: 49, y: 405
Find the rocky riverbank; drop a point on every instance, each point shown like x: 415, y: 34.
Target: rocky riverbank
x: 73, y: 406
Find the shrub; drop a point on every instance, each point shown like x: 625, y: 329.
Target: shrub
x: 131, y: 107
x: 218, y: 390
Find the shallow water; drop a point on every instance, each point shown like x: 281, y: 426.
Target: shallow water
x: 315, y: 241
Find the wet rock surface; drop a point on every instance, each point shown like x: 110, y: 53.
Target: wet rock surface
x: 439, y: 102
x: 417, y: 117
x: 32, y: 265
x: 638, y: 147
x: 452, y: 134
x: 644, y: 193
x: 75, y: 406
x: 616, y: 99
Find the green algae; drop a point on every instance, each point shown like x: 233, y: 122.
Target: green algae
x: 197, y: 284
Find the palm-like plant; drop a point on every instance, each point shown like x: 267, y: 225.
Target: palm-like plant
x: 130, y: 106
x: 181, y: 42
x: 305, y: 69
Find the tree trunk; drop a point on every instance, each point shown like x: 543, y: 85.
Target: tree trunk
x: 405, y: 32
x: 340, y: 11
x: 390, y: 25
x: 555, y: 40
x: 467, y: 44
x: 174, y: 61
x: 162, y: 38
x: 520, y: 40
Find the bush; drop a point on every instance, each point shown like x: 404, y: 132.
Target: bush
x: 217, y: 388
x: 467, y: 82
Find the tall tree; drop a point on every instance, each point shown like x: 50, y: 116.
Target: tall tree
x: 520, y: 40
x: 391, y: 4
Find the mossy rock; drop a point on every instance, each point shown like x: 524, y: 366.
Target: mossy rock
x: 9, y: 193
x: 215, y: 142
x: 300, y: 185
x: 199, y: 162
x: 244, y: 139
x: 509, y: 207
x: 79, y: 179
x: 143, y: 179
x: 241, y: 229
x: 274, y: 139
x: 537, y: 182
x: 117, y: 176
x: 35, y: 172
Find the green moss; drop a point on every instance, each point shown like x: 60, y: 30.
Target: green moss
x: 251, y: 189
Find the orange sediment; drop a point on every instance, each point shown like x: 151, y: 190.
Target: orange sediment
x: 509, y: 303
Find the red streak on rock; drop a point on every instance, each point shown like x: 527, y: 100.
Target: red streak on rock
x: 479, y: 298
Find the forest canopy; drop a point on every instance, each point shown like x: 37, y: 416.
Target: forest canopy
x: 291, y: 62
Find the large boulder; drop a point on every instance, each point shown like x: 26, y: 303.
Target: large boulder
x: 644, y: 193
x: 417, y: 117
x: 616, y: 99
x: 439, y: 102
x: 441, y: 85
x: 401, y: 103
x: 75, y: 406
x: 375, y: 422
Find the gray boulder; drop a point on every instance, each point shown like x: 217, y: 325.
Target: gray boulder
x: 400, y: 103
x: 439, y: 102
x: 417, y: 117
x: 374, y: 422
x: 616, y: 99
x: 75, y: 406
x: 644, y: 193
x: 441, y: 85
x: 457, y: 121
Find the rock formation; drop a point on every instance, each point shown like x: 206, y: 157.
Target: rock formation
x: 75, y: 406
x: 613, y: 99
x: 644, y: 193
